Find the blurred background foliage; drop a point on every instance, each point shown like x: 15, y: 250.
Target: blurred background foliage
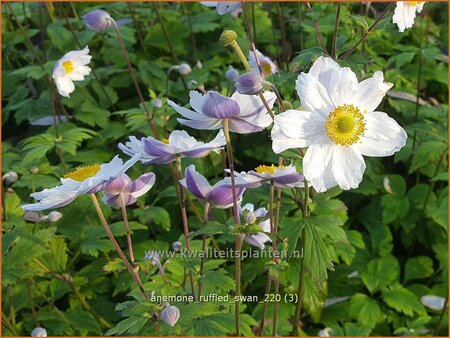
x: 384, y: 244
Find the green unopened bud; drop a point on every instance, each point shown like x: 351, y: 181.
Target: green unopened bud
x: 287, y: 105
x: 228, y: 37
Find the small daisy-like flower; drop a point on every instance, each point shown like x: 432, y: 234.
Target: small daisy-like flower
x: 219, y: 196
x: 71, y: 67
x: 124, y: 191
x: 267, y: 65
x: 84, y: 180
x: 245, y: 113
x: 223, y: 7
x: 179, y: 144
x: 253, y: 216
x: 339, y: 124
x: 405, y: 13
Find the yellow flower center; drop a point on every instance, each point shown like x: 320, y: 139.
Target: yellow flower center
x: 265, y: 66
x: 414, y: 3
x: 68, y: 66
x: 164, y: 140
x: 345, y: 125
x: 84, y: 172
x: 270, y: 169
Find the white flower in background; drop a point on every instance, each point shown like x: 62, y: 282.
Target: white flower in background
x: 224, y: 7
x: 71, y: 67
x: 405, y: 13
x: 267, y: 65
x: 339, y: 124
x: 435, y: 303
x: 84, y: 180
x: 39, y: 332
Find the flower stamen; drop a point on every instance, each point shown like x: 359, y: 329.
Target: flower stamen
x: 68, y: 66
x: 270, y: 169
x: 164, y: 140
x: 345, y: 125
x: 83, y: 172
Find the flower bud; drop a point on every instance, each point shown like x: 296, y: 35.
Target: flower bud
x: 387, y: 185
x: 228, y: 37
x: 199, y: 65
x: 54, y: 216
x: 10, y: 177
x: 98, y: 20
x: 249, y: 84
x: 157, y: 103
x: 435, y: 303
x: 231, y: 74
x: 287, y: 105
x: 152, y: 256
x: 192, y: 84
x: 220, y: 107
x: 170, y: 315
x: 177, y: 246
x: 34, y: 170
x: 251, y: 218
x: 184, y: 69
x: 39, y: 332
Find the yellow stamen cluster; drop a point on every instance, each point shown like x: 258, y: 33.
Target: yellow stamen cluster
x: 68, y: 66
x: 164, y: 140
x: 270, y: 169
x: 414, y: 3
x: 84, y: 172
x: 345, y: 125
x: 265, y: 66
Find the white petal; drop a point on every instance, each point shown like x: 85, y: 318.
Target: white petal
x: 64, y: 85
x: 192, y: 115
x: 79, y: 72
x: 281, y: 142
x: 251, y: 104
x: 313, y: 95
x: 371, y: 92
x: 317, y: 167
x: 348, y: 166
x: 382, y: 137
x: 404, y: 15
x: 196, y: 100
x: 322, y: 65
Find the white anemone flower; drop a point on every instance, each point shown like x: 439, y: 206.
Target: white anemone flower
x: 71, y: 67
x: 84, y: 180
x: 267, y: 65
x: 339, y: 124
x: 405, y: 13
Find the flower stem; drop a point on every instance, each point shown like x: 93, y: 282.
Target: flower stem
x: 274, y: 248
x: 301, y: 276
x: 127, y: 228
x: 438, y: 326
x: 150, y: 121
x: 264, y: 309
x: 236, y: 221
x: 202, y: 258
x: 182, y: 202
x: 130, y: 269
x: 419, y: 79
x: 316, y: 27
x: 369, y: 30
x: 137, y: 26
x: 336, y: 28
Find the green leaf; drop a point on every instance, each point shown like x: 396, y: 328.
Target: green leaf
x: 56, y: 256
x: 418, y: 267
x: 217, y: 280
x: 60, y: 36
x: 304, y: 58
x: 317, y: 259
x: 212, y: 228
x: 426, y: 153
x: 365, y: 309
x: 292, y: 230
x: 356, y: 330
x: 380, y: 272
x: 114, y: 265
x: 403, y: 300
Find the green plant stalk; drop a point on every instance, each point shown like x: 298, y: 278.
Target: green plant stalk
x: 123, y: 208
x: 283, y: 33
x: 191, y: 32
x: 182, y: 202
x: 12, y: 311
x: 138, y: 26
x: 317, y: 29
x: 301, y: 277
x: 419, y: 79
x: 438, y: 326
x: 150, y: 121
x: 30, y: 300
x: 264, y: 309
x: 335, y: 33
x: 369, y: 30
x: 274, y: 248
x: 202, y: 259
x: 8, y: 325
x: 236, y: 221
x: 130, y: 269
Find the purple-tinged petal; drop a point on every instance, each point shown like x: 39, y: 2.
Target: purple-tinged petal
x: 240, y: 126
x: 219, y: 106
x: 252, y: 105
x: 221, y: 196
x: 141, y: 185
x: 157, y: 148
x: 260, y: 212
x: 254, y: 240
x: 117, y: 185
x: 207, y: 124
x: 196, y: 183
x: 116, y: 200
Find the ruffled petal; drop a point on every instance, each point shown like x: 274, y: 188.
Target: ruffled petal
x: 142, y: 184
x: 382, y: 137
x: 205, y: 124
x: 348, y: 167
x: 196, y: 183
x: 371, y: 92
x: 316, y: 166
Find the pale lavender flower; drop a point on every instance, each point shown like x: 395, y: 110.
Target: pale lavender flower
x: 267, y: 65
x: 223, y: 7
x: 184, y: 69
x: 253, y: 216
x: 282, y: 176
x: 250, y: 84
x: 179, y: 144
x: 39, y: 332
x: 231, y: 74
x: 219, y: 196
x: 98, y: 20
x: 170, y: 315
x: 123, y: 190
x: 245, y: 113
